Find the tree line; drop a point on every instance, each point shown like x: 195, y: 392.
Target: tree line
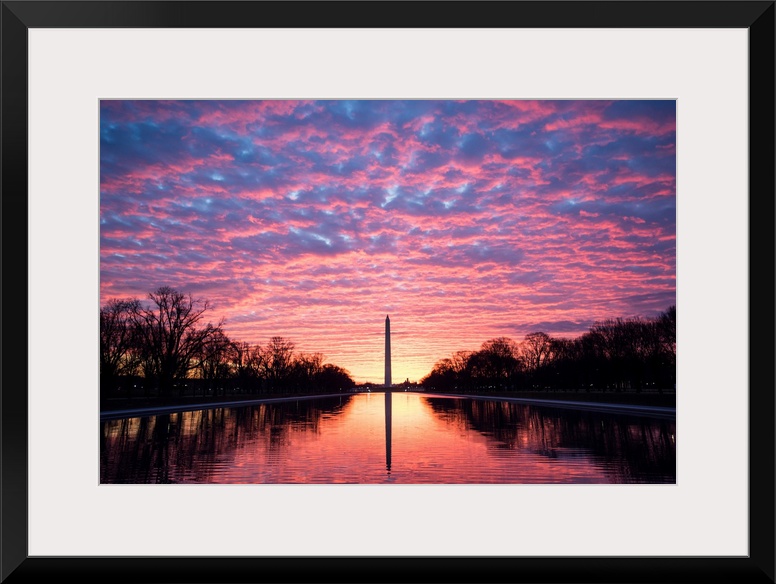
x: 634, y: 354
x: 164, y: 346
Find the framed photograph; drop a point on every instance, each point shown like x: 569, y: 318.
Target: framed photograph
x: 644, y: 129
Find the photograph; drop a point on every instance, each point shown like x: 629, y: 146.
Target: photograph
x: 367, y: 292
x: 388, y: 291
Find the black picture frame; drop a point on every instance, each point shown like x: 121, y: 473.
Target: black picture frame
x: 19, y: 16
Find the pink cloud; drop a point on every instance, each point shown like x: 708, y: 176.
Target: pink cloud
x: 298, y: 221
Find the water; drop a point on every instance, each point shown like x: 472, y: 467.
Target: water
x: 391, y: 438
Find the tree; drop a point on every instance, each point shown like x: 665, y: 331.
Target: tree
x: 246, y: 365
x: 621, y: 354
x: 305, y: 370
x: 537, y: 348
x: 458, y: 361
x: 334, y: 378
x: 666, y: 324
x: 566, y: 367
x: 500, y: 360
x: 277, y: 359
x: 442, y: 376
x: 215, y: 359
x: 667, y: 327
x: 170, y: 336
x: 117, y: 343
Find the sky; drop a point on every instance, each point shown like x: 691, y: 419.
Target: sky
x: 462, y: 220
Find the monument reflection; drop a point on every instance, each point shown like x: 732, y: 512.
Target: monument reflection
x: 399, y: 438
x: 388, y: 414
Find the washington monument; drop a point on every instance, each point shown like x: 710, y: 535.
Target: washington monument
x: 387, y: 352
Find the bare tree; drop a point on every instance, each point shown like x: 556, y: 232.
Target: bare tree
x: 245, y: 366
x: 442, y: 376
x: 458, y: 361
x: 215, y: 360
x: 117, y: 342
x: 307, y: 367
x: 501, y: 360
x: 619, y: 354
x: 170, y: 334
x: 277, y: 360
x: 667, y: 326
x: 333, y: 378
x: 537, y: 348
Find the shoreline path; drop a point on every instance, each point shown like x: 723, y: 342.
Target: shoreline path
x: 635, y: 410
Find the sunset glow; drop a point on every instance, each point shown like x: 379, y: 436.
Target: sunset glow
x: 463, y: 221
x: 344, y: 440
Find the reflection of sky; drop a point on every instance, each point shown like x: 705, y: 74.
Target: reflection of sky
x: 498, y: 443
x: 462, y: 220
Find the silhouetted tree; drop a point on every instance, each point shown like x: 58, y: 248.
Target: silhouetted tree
x: 667, y: 329
x: 305, y: 370
x: 276, y: 362
x: 117, y: 343
x: 633, y: 353
x: 170, y: 335
x: 165, y: 339
x: 499, y: 361
x: 666, y: 325
x: 246, y: 361
x: 458, y: 361
x: 443, y: 377
x: 215, y: 361
x: 334, y: 378
x: 537, y: 349
x: 565, y: 367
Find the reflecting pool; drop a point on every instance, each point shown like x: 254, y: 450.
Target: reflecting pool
x: 389, y: 438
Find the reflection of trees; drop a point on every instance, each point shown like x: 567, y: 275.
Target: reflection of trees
x: 189, y: 446
x: 496, y: 419
x: 628, y: 448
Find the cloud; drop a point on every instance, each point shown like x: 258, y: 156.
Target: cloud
x: 311, y: 219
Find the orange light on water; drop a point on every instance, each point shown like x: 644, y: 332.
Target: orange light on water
x: 372, y: 438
